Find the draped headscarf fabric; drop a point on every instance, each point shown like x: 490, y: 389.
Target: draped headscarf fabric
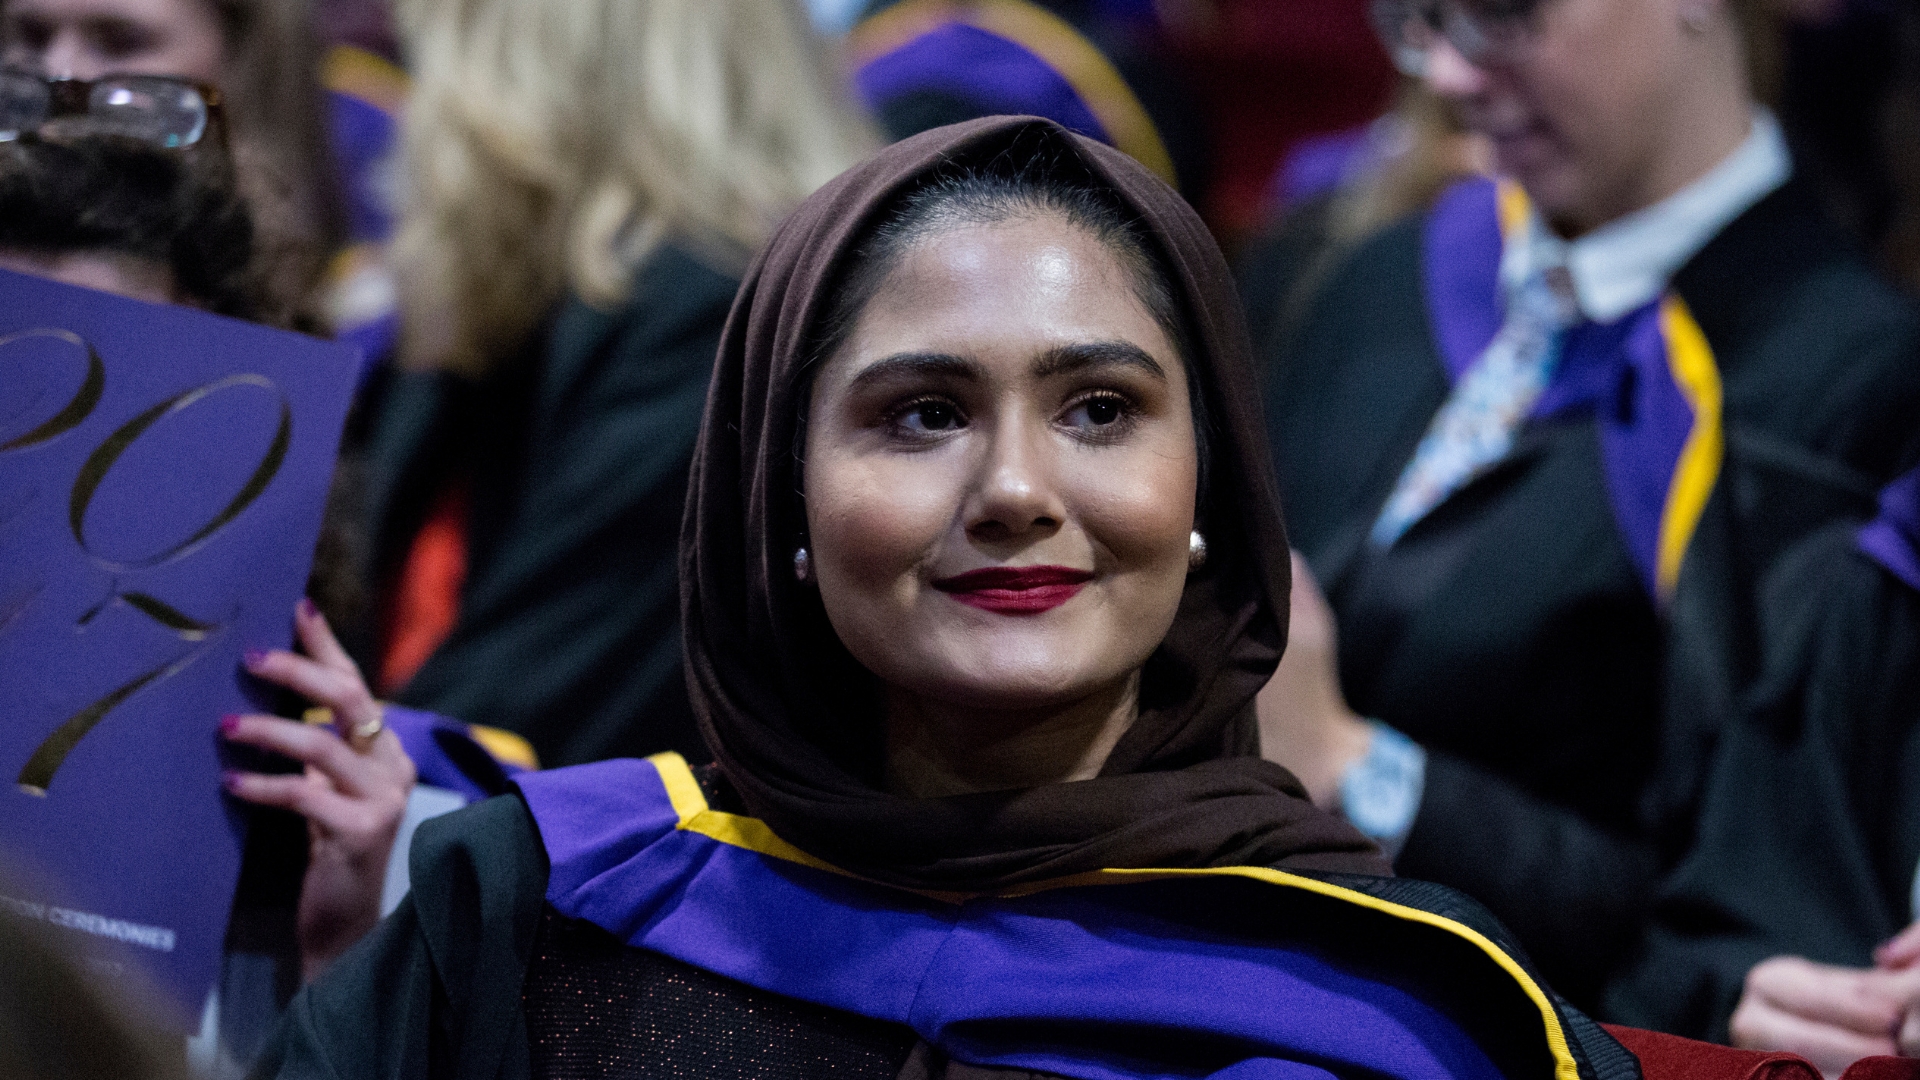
x: 794, y: 721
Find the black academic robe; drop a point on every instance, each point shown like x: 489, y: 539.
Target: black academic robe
x: 1808, y: 832
x: 1509, y: 631
x: 476, y: 977
x: 576, y: 463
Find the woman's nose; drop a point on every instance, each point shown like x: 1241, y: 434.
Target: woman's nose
x: 1015, y: 494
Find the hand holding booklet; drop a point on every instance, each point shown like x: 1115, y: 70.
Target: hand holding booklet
x: 162, y: 477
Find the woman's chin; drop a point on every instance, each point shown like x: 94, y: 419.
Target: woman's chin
x: 1022, y: 683
x: 1012, y: 664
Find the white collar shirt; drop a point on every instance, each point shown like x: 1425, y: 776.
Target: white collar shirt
x: 1627, y: 262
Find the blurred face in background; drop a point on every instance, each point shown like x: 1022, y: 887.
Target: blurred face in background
x: 1586, y: 102
x: 85, y: 39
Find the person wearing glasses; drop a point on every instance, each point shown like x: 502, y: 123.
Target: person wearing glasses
x: 1538, y: 442
x: 124, y: 185
x: 106, y: 185
x: 264, y: 56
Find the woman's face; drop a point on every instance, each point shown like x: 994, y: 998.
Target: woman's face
x: 85, y: 39
x: 1579, y: 119
x: 1001, y: 471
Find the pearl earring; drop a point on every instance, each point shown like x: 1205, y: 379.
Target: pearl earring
x: 802, y: 565
x: 1196, y: 550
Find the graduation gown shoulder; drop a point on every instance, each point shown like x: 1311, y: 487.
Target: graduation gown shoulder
x: 442, y: 988
x: 1808, y: 833
x: 435, y: 990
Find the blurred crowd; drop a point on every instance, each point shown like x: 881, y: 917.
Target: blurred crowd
x: 1590, y: 359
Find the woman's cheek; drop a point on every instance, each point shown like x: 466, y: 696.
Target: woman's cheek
x: 879, y: 520
x: 1141, y: 512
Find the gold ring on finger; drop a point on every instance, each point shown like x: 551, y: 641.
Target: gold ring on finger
x: 361, y: 735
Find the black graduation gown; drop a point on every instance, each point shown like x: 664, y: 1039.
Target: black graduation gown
x: 475, y: 977
x: 1808, y: 833
x: 576, y: 461
x: 1509, y: 631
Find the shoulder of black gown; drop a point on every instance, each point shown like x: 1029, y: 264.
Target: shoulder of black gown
x: 1447, y: 969
x: 1357, y: 370
x: 1808, y: 832
x: 1278, y: 270
x: 1813, y: 344
x: 667, y: 331
x: 574, y: 535
x: 1772, y: 494
x: 435, y: 990
x: 616, y: 410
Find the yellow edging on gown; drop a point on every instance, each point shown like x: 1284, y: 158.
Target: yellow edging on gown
x: 1690, y: 360
x: 1698, y: 377
x: 683, y: 791
x: 1054, y: 40
x: 360, y: 74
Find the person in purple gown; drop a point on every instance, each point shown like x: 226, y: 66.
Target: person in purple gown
x: 981, y: 570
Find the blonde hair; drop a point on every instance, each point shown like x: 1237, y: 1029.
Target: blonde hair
x: 552, y: 144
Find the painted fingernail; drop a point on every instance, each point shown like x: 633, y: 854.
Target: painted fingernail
x: 229, y: 724
x: 253, y: 658
x: 307, y: 610
x: 230, y: 779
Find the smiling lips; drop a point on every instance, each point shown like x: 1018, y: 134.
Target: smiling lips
x: 1016, y: 590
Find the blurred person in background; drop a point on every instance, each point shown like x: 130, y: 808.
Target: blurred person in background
x: 1395, y: 166
x: 158, y: 218
x: 125, y: 187
x: 1773, y: 932
x: 126, y: 217
x: 586, y: 179
x: 263, y: 57
x: 1088, y: 65
x: 1539, y: 443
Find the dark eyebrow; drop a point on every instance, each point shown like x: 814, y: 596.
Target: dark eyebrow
x: 920, y: 364
x: 1067, y: 359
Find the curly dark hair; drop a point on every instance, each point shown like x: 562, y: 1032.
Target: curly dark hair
x: 112, y: 195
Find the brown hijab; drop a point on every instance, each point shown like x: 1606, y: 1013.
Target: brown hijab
x: 794, y: 721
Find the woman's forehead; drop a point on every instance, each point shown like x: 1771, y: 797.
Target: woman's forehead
x: 1026, y: 280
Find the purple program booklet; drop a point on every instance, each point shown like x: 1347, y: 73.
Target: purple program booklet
x: 162, y: 477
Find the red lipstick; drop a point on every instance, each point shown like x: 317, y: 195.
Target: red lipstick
x: 1016, y: 590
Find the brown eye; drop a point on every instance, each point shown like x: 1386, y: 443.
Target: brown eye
x: 929, y: 416
x: 1098, y: 412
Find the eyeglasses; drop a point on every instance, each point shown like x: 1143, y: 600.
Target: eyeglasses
x: 158, y: 109
x: 1484, y: 32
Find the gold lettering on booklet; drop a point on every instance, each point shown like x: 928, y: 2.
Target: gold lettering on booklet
x: 198, y: 635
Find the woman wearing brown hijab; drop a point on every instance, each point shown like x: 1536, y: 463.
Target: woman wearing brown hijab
x: 982, y: 570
